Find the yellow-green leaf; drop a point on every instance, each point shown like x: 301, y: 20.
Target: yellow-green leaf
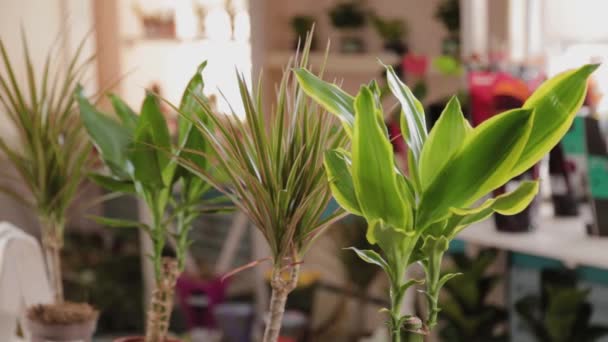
x: 373, y: 171
x: 329, y: 96
x: 555, y: 104
x: 483, y: 163
x: 337, y: 167
x: 443, y: 142
x: 510, y: 203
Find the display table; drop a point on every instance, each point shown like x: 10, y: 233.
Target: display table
x: 563, y: 239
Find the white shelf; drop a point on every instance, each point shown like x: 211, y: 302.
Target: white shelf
x: 563, y: 239
x: 337, y: 63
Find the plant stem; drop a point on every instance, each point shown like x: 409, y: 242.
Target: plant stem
x: 280, y: 289
x: 161, y: 305
x: 52, y: 241
x: 395, y: 313
x: 412, y: 337
x: 433, y: 275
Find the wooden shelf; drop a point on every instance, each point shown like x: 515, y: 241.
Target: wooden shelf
x: 337, y: 63
x: 563, y: 239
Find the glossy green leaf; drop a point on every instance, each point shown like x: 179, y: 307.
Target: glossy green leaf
x: 374, y: 177
x: 149, y: 153
x: 110, y: 137
x: 329, y: 96
x: 113, y: 184
x: 337, y: 167
x: 555, y: 104
x: 483, y: 163
x: 445, y: 139
x: 124, y: 112
x: 413, y: 123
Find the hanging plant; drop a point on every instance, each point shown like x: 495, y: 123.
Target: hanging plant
x: 413, y: 217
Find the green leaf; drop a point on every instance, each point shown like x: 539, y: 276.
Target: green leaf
x: 124, y: 112
x: 510, y: 203
x: 151, y: 146
x: 371, y: 257
x: 507, y: 204
x: 329, y: 96
x: 373, y: 172
x: 113, y: 184
x: 555, y: 105
x: 434, y: 244
x: 413, y: 125
x: 446, y: 277
x: 445, y: 139
x: 482, y: 164
x: 404, y: 287
x: 337, y: 167
x: 191, y: 110
x: 109, y: 136
x: 119, y: 223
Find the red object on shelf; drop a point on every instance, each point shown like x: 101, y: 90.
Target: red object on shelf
x: 415, y: 65
x: 286, y: 339
x: 213, y: 291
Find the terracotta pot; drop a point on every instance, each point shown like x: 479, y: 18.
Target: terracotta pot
x: 61, y: 332
x: 141, y: 339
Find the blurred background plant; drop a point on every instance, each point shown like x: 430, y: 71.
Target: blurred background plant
x: 466, y: 315
x: 561, y: 313
x: 393, y: 32
x: 301, y: 25
x: 51, y: 151
x: 349, y: 17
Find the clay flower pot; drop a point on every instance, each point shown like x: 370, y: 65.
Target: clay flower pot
x: 141, y: 339
x: 66, y: 321
x: 42, y: 332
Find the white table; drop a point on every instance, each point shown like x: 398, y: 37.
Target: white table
x: 563, y: 239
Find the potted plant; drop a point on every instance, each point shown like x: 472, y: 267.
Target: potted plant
x: 564, y: 315
x: 301, y: 25
x: 271, y: 167
x: 448, y: 13
x: 413, y: 217
x: 141, y: 160
x: 466, y: 313
x: 50, y: 157
x: 392, y: 32
x: 348, y: 18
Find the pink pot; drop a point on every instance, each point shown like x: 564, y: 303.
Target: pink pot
x: 141, y: 339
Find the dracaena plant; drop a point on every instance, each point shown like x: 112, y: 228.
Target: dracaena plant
x: 50, y: 151
x: 413, y: 217
x: 141, y: 159
x: 271, y: 167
